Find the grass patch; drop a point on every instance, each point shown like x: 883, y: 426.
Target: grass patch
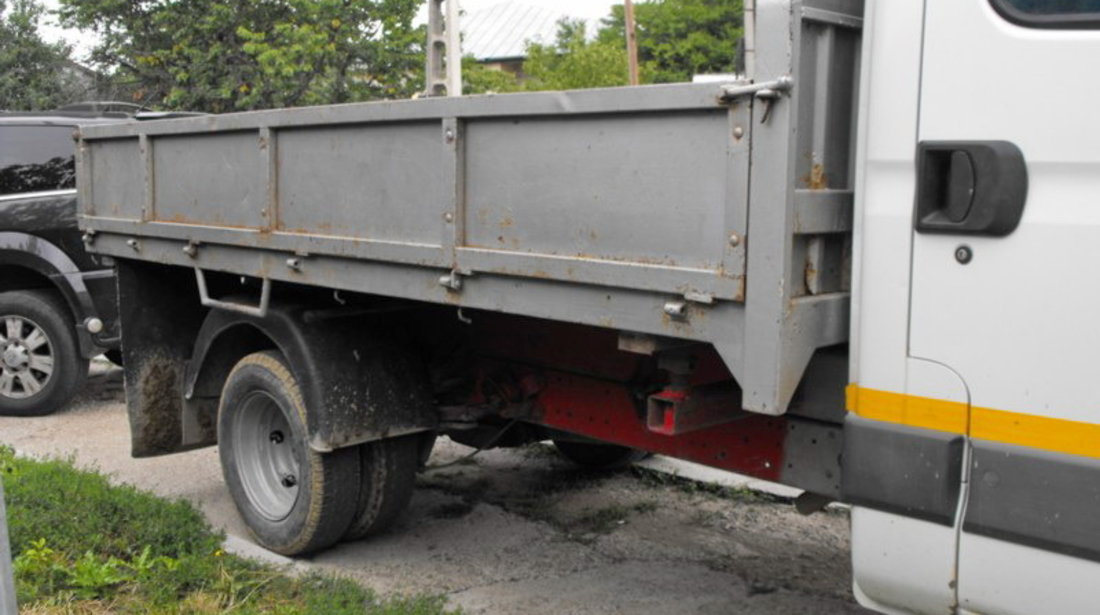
x: 540, y: 450
x: 607, y: 519
x: 654, y: 478
x: 82, y: 545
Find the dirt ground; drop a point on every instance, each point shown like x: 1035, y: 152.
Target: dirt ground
x: 521, y: 531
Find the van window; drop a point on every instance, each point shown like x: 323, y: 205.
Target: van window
x: 36, y: 159
x: 1077, y: 14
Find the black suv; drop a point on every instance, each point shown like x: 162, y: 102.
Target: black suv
x: 58, y: 304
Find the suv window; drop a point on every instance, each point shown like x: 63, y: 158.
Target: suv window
x: 1051, y: 13
x: 36, y: 159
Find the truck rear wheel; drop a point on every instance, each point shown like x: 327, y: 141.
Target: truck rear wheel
x: 40, y: 363
x: 597, y: 456
x: 387, y: 474
x: 293, y: 499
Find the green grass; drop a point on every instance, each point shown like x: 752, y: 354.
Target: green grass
x: 607, y: 519
x: 82, y: 545
x: 654, y: 478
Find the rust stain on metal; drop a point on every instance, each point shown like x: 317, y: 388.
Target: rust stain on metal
x: 811, y: 276
x: 817, y: 179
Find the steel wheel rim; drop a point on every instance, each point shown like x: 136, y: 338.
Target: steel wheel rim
x: 26, y: 357
x: 266, y: 455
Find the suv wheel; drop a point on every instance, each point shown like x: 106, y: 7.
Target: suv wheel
x: 40, y: 363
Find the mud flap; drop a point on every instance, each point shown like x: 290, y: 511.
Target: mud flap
x: 160, y: 315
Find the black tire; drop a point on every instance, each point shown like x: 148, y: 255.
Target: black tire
x: 293, y: 499
x: 387, y: 475
x: 26, y: 388
x: 597, y: 456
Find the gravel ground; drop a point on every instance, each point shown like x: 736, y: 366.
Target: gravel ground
x: 520, y: 531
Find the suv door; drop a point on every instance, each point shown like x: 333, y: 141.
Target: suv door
x: 46, y: 277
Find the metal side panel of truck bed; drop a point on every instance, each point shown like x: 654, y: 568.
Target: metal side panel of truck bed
x: 712, y: 212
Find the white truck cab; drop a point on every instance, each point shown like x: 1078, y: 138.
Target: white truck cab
x: 973, y: 345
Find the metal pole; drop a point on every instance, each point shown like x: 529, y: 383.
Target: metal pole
x: 7, y: 577
x: 443, y: 73
x: 749, y: 27
x: 434, y: 76
x: 631, y: 41
x: 454, y: 50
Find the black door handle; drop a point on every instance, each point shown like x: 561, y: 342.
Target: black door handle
x: 970, y: 187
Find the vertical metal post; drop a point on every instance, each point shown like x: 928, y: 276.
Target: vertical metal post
x: 749, y: 29
x: 454, y: 50
x: 434, y: 76
x: 631, y: 41
x: 443, y: 72
x: 7, y: 576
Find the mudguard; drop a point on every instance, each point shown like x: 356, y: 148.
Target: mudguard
x: 45, y: 258
x: 359, y: 382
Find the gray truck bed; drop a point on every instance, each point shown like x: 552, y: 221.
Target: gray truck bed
x: 677, y: 210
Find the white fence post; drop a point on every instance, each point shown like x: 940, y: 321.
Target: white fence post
x: 7, y: 576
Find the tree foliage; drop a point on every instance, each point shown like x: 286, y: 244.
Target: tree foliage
x: 33, y: 73
x: 575, y: 62
x: 676, y: 40
x: 681, y: 38
x: 210, y: 55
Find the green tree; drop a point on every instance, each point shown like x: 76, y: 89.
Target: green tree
x: 680, y: 38
x: 575, y: 62
x: 480, y: 79
x: 33, y: 73
x: 210, y: 55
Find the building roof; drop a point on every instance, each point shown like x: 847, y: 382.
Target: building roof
x: 502, y: 31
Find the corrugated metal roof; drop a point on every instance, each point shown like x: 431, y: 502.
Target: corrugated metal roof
x: 503, y: 30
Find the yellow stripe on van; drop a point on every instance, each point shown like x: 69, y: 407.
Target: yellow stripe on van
x: 924, y: 412
x: 1056, y: 435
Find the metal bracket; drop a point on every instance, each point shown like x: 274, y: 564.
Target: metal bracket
x: 452, y: 281
x: 698, y: 297
x: 681, y: 409
x: 259, y: 311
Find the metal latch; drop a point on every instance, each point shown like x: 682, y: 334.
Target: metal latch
x: 766, y: 91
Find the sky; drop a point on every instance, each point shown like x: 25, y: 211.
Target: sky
x: 584, y: 9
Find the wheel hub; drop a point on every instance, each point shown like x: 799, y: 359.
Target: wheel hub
x: 16, y: 357
x: 26, y: 357
x: 267, y: 456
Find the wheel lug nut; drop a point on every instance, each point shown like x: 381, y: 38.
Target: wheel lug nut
x: 276, y: 437
x: 289, y: 481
